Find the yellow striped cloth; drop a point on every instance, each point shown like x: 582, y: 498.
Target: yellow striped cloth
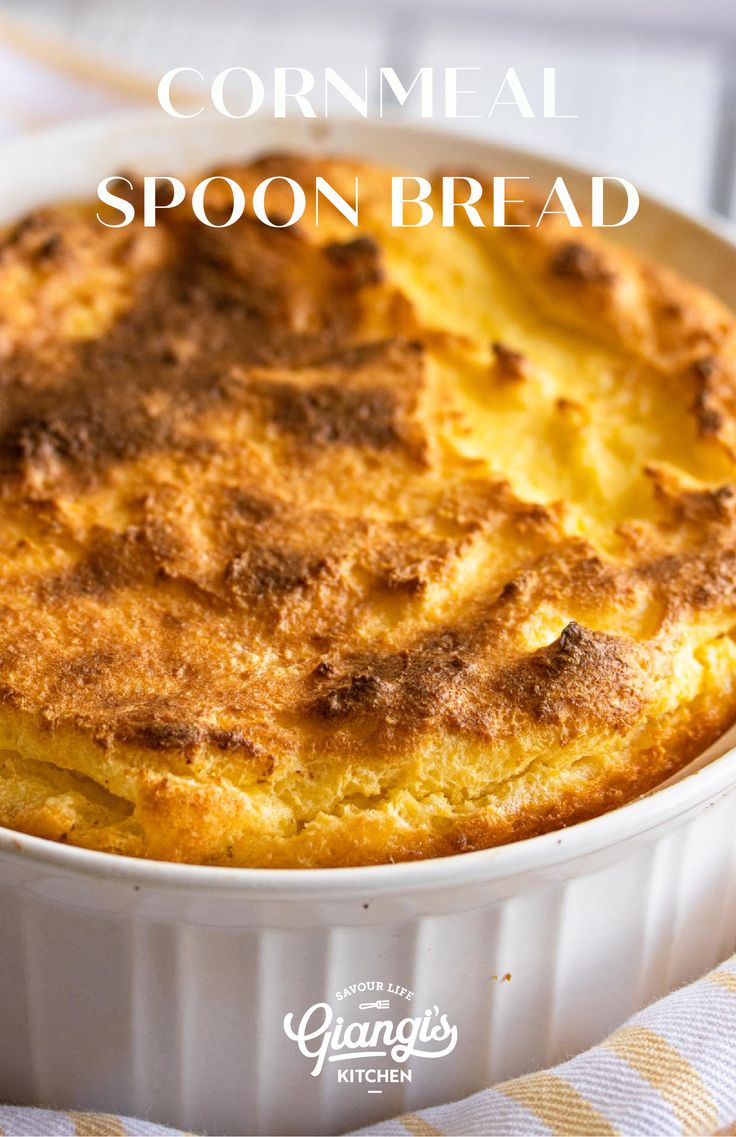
x: 670, y: 1070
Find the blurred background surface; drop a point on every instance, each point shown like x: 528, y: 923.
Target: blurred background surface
x: 652, y: 81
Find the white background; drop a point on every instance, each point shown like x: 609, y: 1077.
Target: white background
x: 653, y: 83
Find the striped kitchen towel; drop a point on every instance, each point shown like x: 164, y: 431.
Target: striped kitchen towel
x: 671, y: 1069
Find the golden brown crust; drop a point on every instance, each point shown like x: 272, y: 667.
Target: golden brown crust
x: 326, y: 549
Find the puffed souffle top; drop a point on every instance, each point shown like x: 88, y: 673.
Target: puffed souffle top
x: 324, y: 546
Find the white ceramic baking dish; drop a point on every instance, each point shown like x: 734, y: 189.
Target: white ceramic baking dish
x: 161, y: 990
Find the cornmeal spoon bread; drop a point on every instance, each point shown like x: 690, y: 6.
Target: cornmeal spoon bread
x: 329, y: 547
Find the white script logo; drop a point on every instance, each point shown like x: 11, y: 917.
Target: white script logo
x: 323, y: 1037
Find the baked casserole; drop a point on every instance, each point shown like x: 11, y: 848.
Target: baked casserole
x: 329, y: 547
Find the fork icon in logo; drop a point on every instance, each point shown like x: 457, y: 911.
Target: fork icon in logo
x: 381, y: 1005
